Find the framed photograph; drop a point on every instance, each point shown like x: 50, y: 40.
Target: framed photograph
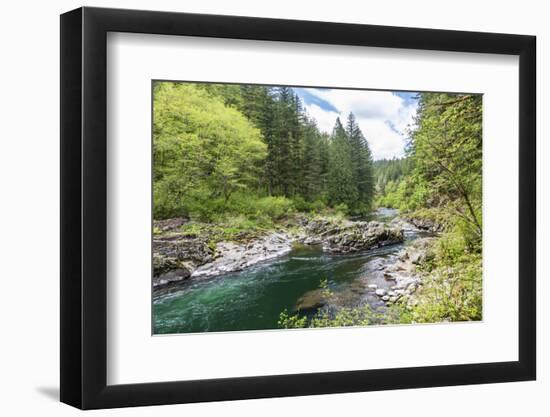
x: 256, y: 208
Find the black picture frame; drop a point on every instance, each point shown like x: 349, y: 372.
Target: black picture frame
x: 84, y: 207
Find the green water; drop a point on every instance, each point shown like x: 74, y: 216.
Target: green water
x: 253, y: 299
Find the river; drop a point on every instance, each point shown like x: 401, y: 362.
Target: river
x: 254, y: 298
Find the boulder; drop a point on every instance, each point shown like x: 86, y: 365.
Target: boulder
x: 235, y: 256
x: 426, y: 224
x: 173, y: 276
x: 350, y: 237
x: 176, y: 257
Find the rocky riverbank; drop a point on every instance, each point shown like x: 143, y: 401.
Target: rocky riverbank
x: 179, y: 256
x: 401, y: 271
x: 389, y: 279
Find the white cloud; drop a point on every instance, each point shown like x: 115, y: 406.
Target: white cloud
x: 382, y: 116
x: 325, y: 119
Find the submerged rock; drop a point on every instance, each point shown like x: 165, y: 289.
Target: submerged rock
x: 312, y: 300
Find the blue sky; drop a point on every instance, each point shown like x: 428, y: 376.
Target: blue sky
x: 383, y: 116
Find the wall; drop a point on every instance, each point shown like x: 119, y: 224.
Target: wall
x: 29, y: 211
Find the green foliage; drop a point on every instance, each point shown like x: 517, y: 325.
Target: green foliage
x: 390, y: 175
x: 444, y: 166
x: 251, y: 206
x: 350, y: 168
x: 331, y: 316
x: 452, y: 288
x: 441, y: 180
x: 291, y: 321
x: 193, y: 229
x: 447, y: 149
x: 236, y: 227
x: 273, y: 207
x: 222, y: 149
x: 341, y: 210
x: 324, y: 317
x: 203, y: 150
x: 239, y: 226
x: 303, y: 205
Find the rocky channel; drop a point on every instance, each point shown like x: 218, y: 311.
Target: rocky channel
x: 401, y: 271
x: 178, y: 257
x: 391, y: 279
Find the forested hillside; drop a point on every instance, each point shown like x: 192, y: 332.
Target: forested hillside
x: 439, y: 185
x: 231, y: 149
x: 443, y: 168
x: 388, y: 173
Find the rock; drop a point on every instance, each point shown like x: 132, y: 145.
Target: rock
x: 402, y: 270
x: 385, y: 298
x: 183, y: 248
x: 311, y: 300
x: 380, y: 292
x: 426, y: 224
x: 175, y: 257
x: 178, y: 257
x: 233, y: 256
x: 309, y: 240
x: 411, y: 288
x: 173, y: 276
x: 418, y: 257
x: 349, y: 236
x: 388, y: 275
x: 403, y: 256
x: 169, y: 225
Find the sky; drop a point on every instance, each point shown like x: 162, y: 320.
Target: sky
x: 383, y: 116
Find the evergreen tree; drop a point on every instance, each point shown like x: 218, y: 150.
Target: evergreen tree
x: 342, y: 188
x: 313, y: 167
x: 361, y: 160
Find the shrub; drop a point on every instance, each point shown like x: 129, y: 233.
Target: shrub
x: 273, y: 207
x: 167, y: 203
x: 317, y: 206
x: 341, y: 209
x: 328, y: 316
x: 452, y: 288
